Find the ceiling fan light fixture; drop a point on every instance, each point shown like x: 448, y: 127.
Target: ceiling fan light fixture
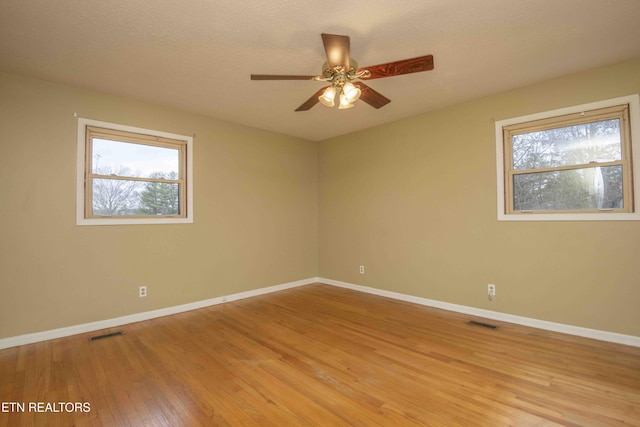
x: 328, y: 96
x: 350, y: 92
x: 340, y: 70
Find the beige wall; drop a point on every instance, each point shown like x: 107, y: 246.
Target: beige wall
x: 415, y: 203
x: 255, y: 207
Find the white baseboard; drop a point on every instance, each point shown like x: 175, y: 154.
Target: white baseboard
x: 138, y: 317
x: 488, y: 314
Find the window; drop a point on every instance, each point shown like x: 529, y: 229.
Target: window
x: 570, y: 164
x: 129, y: 175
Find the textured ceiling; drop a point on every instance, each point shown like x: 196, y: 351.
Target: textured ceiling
x: 197, y: 55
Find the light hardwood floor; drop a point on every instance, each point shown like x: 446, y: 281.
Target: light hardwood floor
x: 321, y: 355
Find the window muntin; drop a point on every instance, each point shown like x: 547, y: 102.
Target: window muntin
x: 132, y: 175
x: 567, y: 164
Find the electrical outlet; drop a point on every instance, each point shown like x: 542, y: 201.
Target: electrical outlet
x: 491, y: 291
x: 362, y: 269
x: 142, y: 291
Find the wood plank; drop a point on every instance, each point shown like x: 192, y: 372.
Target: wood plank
x: 320, y: 355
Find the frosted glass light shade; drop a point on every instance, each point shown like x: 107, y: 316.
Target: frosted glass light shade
x: 344, y: 102
x: 328, y: 96
x: 351, y: 92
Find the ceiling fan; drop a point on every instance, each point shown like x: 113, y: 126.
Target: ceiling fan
x: 344, y: 76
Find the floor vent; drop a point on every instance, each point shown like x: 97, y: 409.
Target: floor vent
x: 112, y: 334
x: 484, y: 325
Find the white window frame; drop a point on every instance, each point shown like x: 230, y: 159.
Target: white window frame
x: 122, y: 220
x: 634, y: 122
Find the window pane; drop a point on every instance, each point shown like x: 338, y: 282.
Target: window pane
x: 159, y: 198
x: 579, y: 189
x: 570, y: 145
x: 135, y: 160
x: 116, y: 197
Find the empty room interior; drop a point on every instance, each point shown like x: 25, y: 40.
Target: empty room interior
x: 307, y: 213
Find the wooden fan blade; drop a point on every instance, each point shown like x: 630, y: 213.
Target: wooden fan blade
x: 407, y: 66
x: 280, y: 77
x: 311, y: 101
x: 371, y: 97
x: 337, y: 50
